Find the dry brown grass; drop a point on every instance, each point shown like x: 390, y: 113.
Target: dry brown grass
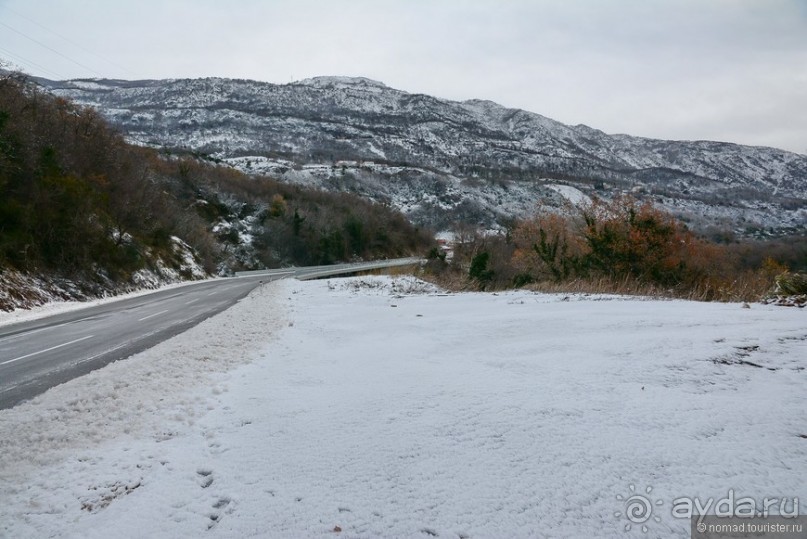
x: 394, y: 271
x: 748, y: 287
x: 453, y: 281
x: 599, y: 286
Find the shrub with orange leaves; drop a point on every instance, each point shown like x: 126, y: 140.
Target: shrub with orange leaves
x: 623, y: 241
x: 620, y: 246
x: 548, y: 247
x: 628, y: 239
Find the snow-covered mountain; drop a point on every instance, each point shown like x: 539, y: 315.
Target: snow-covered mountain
x: 442, y: 161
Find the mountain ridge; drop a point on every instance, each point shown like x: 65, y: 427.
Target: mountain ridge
x: 422, y: 154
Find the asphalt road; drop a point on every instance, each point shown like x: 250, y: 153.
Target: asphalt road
x: 37, y: 355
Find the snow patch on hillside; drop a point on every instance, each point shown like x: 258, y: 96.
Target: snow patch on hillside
x: 573, y: 195
x: 89, y: 85
x: 341, y: 83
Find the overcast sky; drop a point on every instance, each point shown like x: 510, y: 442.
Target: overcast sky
x: 733, y: 70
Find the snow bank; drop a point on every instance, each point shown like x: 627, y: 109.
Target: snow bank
x: 405, y: 285
x: 335, y: 409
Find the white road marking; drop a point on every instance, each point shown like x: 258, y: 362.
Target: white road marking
x: 25, y: 333
x: 47, y: 349
x: 192, y: 301
x: 31, y: 332
x: 152, y: 315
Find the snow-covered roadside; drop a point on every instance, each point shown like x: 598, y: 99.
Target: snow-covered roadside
x: 59, y: 307
x: 330, y: 408
x: 148, y: 398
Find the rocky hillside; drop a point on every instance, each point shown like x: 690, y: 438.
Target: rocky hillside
x: 442, y: 161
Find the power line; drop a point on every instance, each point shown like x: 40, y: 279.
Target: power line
x: 50, y: 49
x: 54, y: 32
x: 32, y: 64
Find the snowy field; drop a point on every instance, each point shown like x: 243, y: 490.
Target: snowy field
x: 377, y: 407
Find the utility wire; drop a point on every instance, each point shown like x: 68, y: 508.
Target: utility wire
x: 50, y: 49
x: 78, y: 45
x: 31, y: 64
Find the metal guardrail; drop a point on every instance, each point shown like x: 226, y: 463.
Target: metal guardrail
x: 250, y: 273
x: 314, y: 272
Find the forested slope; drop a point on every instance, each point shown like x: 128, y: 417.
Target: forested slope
x: 87, y: 213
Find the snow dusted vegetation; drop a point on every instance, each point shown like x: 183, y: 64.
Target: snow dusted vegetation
x: 382, y: 407
x: 26, y: 297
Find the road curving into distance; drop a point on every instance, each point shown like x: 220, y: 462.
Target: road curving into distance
x: 39, y: 354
